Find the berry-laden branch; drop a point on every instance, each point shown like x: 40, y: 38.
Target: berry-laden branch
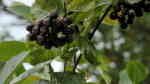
x: 46, y: 32
x: 99, y: 22
x: 76, y: 62
x: 125, y: 14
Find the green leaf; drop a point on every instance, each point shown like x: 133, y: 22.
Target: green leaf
x: 38, y: 72
x: 124, y: 78
x: 136, y: 71
x: 56, y: 78
x: 11, y: 65
x: 89, y: 51
x: 67, y: 78
x: 78, y: 4
x: 29, y: 80
x: 10, y: 48
x: 49, y: 4
x: 22, y: 10
x: 33, y: 13
x: 104, y: 75
x: 2, y: 65
x: 38, y: 13
x: 41, y: 54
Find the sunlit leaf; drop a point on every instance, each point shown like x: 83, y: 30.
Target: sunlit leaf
x: 107, y: 78
x: 40, y: 55
x: 78, y: 4
x: 68, y: 78
x: 29, y: 80
x: 136, y: 71
x: 22, y: 10
x: 36, y: 73
x: 38, y: 13
x: 10, y: 48
x: 124, y: 78
x: 49, y: 4
x: 11, y: 65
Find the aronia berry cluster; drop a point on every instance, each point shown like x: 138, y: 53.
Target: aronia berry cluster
x: 53, y: 32
x: 125, y: 12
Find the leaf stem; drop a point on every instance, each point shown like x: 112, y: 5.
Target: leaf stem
x: 99, y: 22
x: 76, y: 62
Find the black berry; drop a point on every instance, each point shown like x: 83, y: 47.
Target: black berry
x: 127, y: 12
x: 113, y: 15
x: 124, y: 25
x: 29, y: 28
x: 54, y: 32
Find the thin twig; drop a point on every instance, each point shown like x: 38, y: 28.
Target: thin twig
x: 76, y: 63
x: 99, y: 22
x: 65, y: 64
x: 65, y: 9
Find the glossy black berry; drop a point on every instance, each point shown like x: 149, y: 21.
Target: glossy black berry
x: 53, y: 14
x: 124, y: 25
x: 113, y: 15
x: 35, y: 30
x: 67, y: 20
x: 55, y: 31
x: 44, y: 30
x: 29, y: 28
x: 127, y: 12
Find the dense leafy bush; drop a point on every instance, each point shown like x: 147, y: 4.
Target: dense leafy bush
x: 84, y: 35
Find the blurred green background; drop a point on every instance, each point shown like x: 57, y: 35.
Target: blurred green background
x: 119, y: 50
